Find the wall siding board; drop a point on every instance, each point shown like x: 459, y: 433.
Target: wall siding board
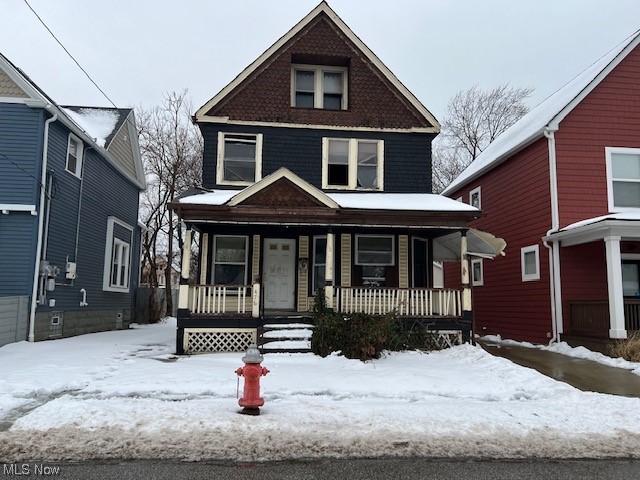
x: 14, y: 313
x: 407, y: 164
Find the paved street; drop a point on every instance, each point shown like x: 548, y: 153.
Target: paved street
x: 410, y: 468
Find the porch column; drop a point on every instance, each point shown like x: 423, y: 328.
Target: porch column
x: 614, y: 281
x: 328, y: 277
x: 204, y: 257
x: 183, y: 295
x: 464, y: 270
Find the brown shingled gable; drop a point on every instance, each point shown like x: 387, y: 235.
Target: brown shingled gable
x: 282, y: 193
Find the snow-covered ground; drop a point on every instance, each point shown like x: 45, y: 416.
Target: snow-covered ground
x: 124, y: 395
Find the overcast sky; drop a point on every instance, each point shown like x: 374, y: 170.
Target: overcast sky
x: 137, y: 50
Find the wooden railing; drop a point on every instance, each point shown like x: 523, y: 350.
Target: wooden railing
x: 632, y: 314
x: 591, y: 319
x: 220, y: 299
x: 405, y: 301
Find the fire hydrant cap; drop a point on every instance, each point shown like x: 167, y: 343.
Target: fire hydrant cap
x: 253, y: 355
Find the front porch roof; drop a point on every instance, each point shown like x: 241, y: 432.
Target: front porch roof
x: 625, y: 225
x: 283, y: 198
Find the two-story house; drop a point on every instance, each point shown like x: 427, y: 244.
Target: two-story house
x: 317, y: 177
x: 70, y: 178
x: 562, y: 186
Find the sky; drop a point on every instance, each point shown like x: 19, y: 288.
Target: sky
x: 138, y: 50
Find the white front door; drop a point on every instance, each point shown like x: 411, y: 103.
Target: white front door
x: 279, y: 273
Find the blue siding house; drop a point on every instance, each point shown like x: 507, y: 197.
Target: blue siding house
x: 70, y: 179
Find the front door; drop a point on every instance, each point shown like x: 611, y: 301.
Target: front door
x: 420, y: 263
x: 279, y: 273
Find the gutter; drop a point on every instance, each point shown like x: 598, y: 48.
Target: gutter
x: 43, y: 181
x: 554, y: 248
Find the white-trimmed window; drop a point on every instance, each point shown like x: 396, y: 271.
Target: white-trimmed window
x: 475, y: 199
x: 530, y: 263
x: 319, y: 262
x: 239, y: 158
x: 374, y: 253
x: 477, y: 272
x: 230, y: 259
x: 117, y: 256
x: 319, y: 87
x: 352, y: 164
x: 623, y: 178
x: 75, y: 149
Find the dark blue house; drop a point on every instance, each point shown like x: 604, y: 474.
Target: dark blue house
x: 70, y: 179
x: 317, y: 176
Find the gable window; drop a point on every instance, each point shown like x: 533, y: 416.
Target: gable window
x: 319, y: 262
x: 477, y: 272
x: 75, y: 149
x: 352, y: 163
x: 319, y: 87
x: 474, y: 198
x: 239, y: 158
x: 374, y: 253
x: 117, y: 258
x: 530, y: 263
x: 623, y: 178
x: 230, y: 260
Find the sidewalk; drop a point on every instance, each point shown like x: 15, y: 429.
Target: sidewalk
x: 585, y: 375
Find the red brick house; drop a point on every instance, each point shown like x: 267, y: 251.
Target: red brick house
x: 317, y: 177
x: 562, y: 187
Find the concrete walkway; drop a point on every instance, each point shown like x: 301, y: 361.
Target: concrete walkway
x: 586, y: 375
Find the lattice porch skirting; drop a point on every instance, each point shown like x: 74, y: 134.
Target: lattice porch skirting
x: 210, y: 340
x: 448, y: 338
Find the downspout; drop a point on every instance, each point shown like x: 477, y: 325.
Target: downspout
x: 43, y: 180
x: 554, y: 249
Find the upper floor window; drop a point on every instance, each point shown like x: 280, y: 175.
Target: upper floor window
x: 623, y: 178
x: 352, y: 163
x: 239, y: 158
x: 75, y: 149
x: 117, y: 256
x: 475, y: 199
x: 319, y: 87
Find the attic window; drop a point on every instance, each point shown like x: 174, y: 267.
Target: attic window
x: 319, y: 87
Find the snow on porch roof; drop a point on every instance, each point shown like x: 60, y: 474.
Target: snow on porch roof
x: 549, y: 112
x: 425, y: 202
x: 629, y: 216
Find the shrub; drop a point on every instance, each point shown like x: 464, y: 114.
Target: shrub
x: 363, y: 336
x: 629, y: 349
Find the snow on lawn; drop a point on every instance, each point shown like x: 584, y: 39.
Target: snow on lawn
x: 124, y: 395
x: 577, y: 352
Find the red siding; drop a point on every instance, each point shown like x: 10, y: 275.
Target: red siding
x: 515, y: 197
x: 608, y: 116
x: 373, y: 101
x: 584, y: 276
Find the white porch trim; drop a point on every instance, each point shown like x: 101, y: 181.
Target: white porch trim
x: 614, y: 284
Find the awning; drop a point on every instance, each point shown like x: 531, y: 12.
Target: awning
x: 479, y: 244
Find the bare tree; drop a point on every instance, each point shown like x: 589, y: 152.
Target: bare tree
x: 171, y: 148
x: 473, y: 120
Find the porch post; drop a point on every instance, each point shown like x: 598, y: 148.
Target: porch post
x: 328, y: 277
x: 204, y: 257
x: 466, y: 288
x: 183, y: 295
x: 614, y: 281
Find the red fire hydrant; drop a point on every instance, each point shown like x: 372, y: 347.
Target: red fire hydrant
x: 252, y: 371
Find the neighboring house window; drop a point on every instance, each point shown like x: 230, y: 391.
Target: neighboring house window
x: 474, y: 198
x: 117, y: 257
x: 438, y: 275
x: 477, y: 272
x: 530, y: 263
x: 623, y: 178
x: 319, y: 87
x: 459, y: 199
x: 631, y: 278
x: 75, y: 148
x: 352, y: 164
x: 230, y: 260
x: 374, y: 253
x: 319, y: 262
x: 239, y: 158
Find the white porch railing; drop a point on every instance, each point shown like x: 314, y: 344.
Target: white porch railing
x: 219, y: 299
x: 405, y: 301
